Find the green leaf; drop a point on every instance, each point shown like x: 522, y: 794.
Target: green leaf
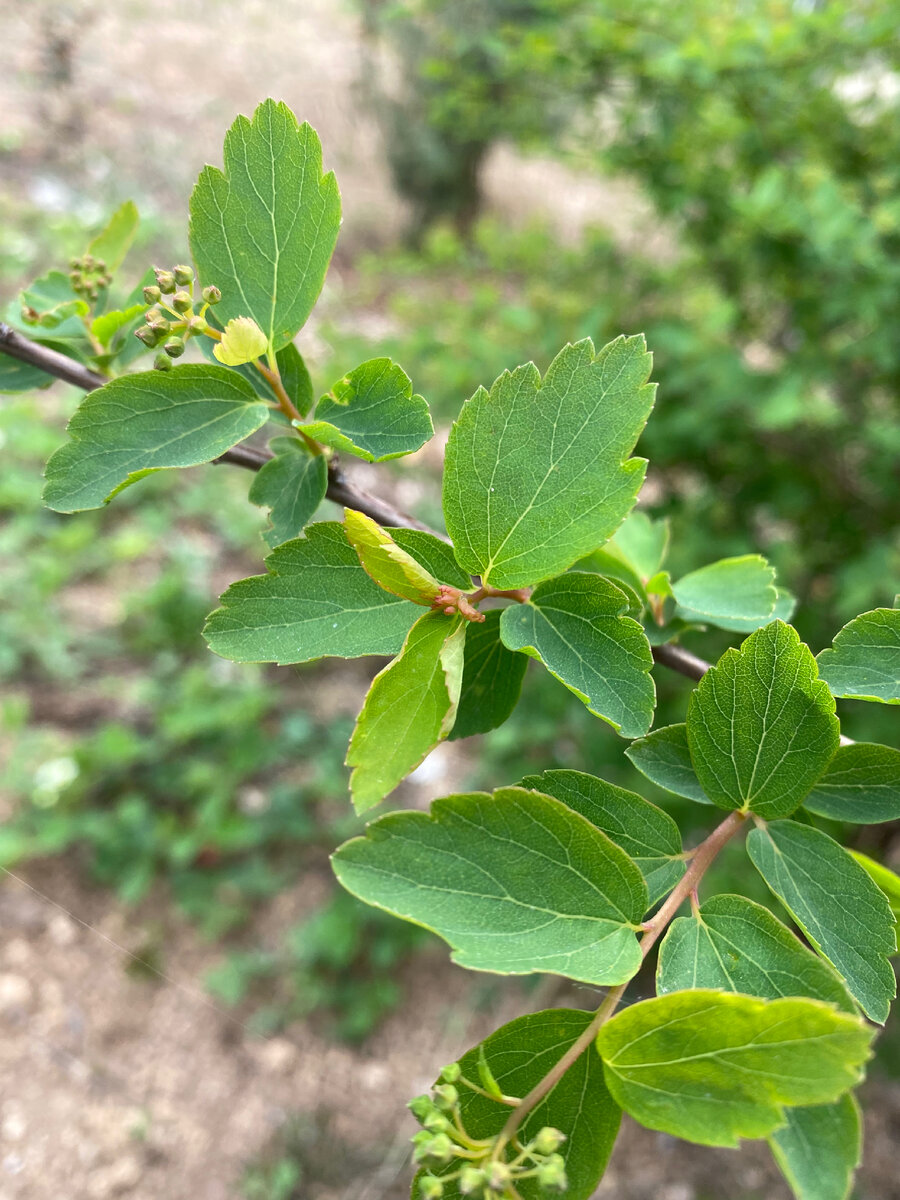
x: 835, y: 903
x: 641, y: 542
x: 739, y: 946
x: 492, y: 679
x: 373, y: 414
x: 410, y: 707
x: 861, y: 785
x: 713, y: 1067
x: 55, y: 302
x: 663, y: 756
x: 648, y: 835
x: 292, y: 485
x: 885, y: 879
x: 242, y: 342
x: 18, y: 376
x: 388, y: 564
x: 864, y: 662
x: 574, y: 626
x: 785, y: 605
x: 144, y: 422
x: 434, y: 555
x: 264, y: 229
x: 819, y: 1148
x: 515, y: 882
x: 740, y: 589
x: 114, y: 241
x: 316, y: 601
x: 604, y: 562
x: 105, y: 327
x: 761, y: 727
x: 518, y: 1056
x: 537, y: 472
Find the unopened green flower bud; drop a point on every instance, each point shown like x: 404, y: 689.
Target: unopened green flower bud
x: 150, y: 337
x: 166, y: 281
x: 196, y: 325
x: 445, y: 1095
x: 211, y: 294
x: 436, y: 1122
x: 152, y: 295
x: 439, y: 1149
x: 174, y: 347
x: 182, y: 302
x: 75, y: 263
x: 100, y: 264
x: 162, y: 362
x: 451, y: 1073
x: 88, y: 262
x: 552, y: 1173
x: 105, y: 280
x: 75, y: 277
x: 498, y: 1176
x: 421, y: 1106
x: 183, y: 275
x: 548, y: 1140
x: 471, y: 1181
x: 430, y: 1188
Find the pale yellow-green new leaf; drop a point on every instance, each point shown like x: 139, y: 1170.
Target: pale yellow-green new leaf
x: 242, y: 342
x: 410, y: 708
x: 390, y: 567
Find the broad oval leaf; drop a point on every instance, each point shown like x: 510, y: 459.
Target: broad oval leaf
x: 761, y: 727
x: 642, y: 543
x: 492, y: 679
x: 886, y: 880
x: 833, y: 900
x: 518, y: 1056
x: 738, y: 946
x: 819, y: 1148
x: 409, y: 708
x: 314, y: 602
x: 387, y: 562
x: 575, y: 627
x: 144, y: 422
x: 537, y: 472
x: 263, y: 231
x: 864, y: 661
x: 714, y: 1067
x: 434, y: 554
x: 740, y: 589
x: 373, y: 414
x: 515, y: 882
x: 648, y: 835
x: 663, y: 756
x: 292, y: 486
x: 861, y: 785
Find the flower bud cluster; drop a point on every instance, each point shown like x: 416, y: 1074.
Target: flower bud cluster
x: 448, y: 1154
x: 88, y: 275
x: 171, y: 319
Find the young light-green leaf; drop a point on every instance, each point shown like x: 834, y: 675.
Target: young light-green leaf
x: 516, y: 882
x: 292, y: 485
x: 410, y: 707
x: 492, y: 679
x: 537, y: 472
x: 833, y: 900
x: 819, y: 1148
x: 144, y: 422
x: 648, y: 835
x: 388, y: 564
x: 733, y: 588
x: 575, y: 627
x: 713, y: 1067
x: 761, y: 727
x: 113, y: 242
x: 641, y: 542
x: 864, y: 661
x: 739, y: 946
x: 663, y: 756
x: 316, y: 601
x: 373, y: 414
x: 861, y: 785
x: 435, y: 556
x: 887, y: 880
x: 785, y: 605
x: 518, y: 1056
x: 263, y: 231
x: 105, y: 327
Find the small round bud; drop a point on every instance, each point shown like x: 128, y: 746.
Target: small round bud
x: 196, y: 325
x: 211, y: 294
x: 88, y: 262
x: 105, y: 280
x: 100, y: 264
x: 451, y: 1073
x: 436, y: 1122
x: 471, y: 1181
x: 152, y: 295
x: 162, y: 362
x: 174, y: 347
x: 182, y: 302
x: 439, y: 1149
x: 75, y: 277
x: 445, y: 1095
x: 75, y: 263
x: 421, y: 1106
x: 548, y: 1140
x: 430, y: 1188
x: 150, y: 337
x: 552, y: 1173
x: 498, y: 1176
x: 183, y: 275
x: 165, y: 280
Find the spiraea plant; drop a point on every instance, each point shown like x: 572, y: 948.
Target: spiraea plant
x: 762, y: 1024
